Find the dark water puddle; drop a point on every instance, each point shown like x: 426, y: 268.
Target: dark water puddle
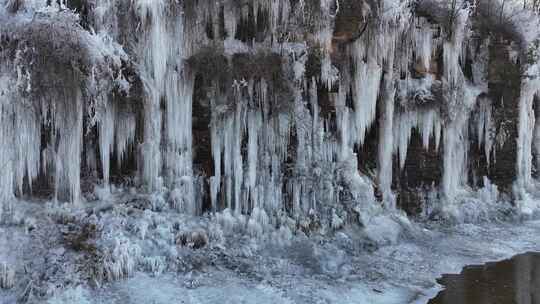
x: 513, y: 281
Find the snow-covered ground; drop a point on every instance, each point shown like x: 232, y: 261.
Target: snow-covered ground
x: 402, y: 273
x: 39, y: 241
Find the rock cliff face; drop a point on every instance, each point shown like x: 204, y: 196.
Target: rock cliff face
x: 311, y: 110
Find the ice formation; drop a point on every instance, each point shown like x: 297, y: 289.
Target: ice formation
x: 7, y: 276
x: 256, y: 119
x: 122, y: 260
x: 266, y: 118
x: 251, y: 132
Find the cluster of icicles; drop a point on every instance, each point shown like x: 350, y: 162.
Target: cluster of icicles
x: 251, y: 145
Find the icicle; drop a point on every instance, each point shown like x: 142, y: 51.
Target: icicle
x: 106, y: 139
x: 525, y: 134
x: 155, y: 54
x: 454, y: 161
x: 423, y: 39
x: 456, y: 146
x: 238, y: 170
x: 366, y: 85
x: 453, y: 49
x: 402, y: 134
x: 460, y: 99
x: 20, y: 131
x: 231, y: 130
x: 27, y: 145
x: 274, y: 15
x: 254, y: 125
x: 326, y: 30
x: 179, y: 94
x: 524, y: 184
x: 316, y: 128
x: 386, y: 127
x: 386, y: 143
x: 7, y: 276
x: 125, y: 127
x: 324, y: 36
x: 6, y: 151
x: 426, y: 121
x: 343, y: 122
x: 278, y: 12
x: 536, y: 140
x: 231, y: 20
x: 228, y: 158
x: 149, y: 149
x: 217, y: 148
x: 304, y: 133
x: 68, y: 130
x: 329, y: 73
x: 179, y: 159
x: 164, y: 77
x: 484, y: 126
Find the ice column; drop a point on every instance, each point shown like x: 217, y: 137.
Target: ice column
x: 527, y: 120
x: 68, y: 130
x: 386, y: 139
x: 106, y: 139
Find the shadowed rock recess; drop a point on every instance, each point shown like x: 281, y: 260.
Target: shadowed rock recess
x: 189, y: 122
